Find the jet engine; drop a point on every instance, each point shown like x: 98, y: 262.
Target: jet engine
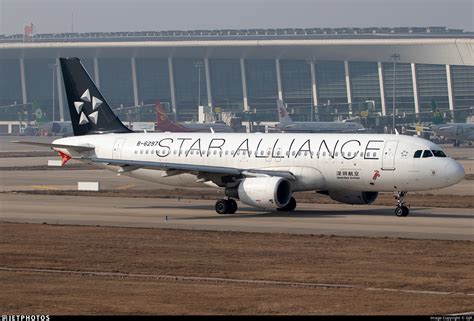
x: 350, y: 197
x: 263, y: 192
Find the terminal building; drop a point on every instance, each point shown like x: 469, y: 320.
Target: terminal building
x: 319, y: 73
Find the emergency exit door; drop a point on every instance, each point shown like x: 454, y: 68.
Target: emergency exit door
x: 117, y: 151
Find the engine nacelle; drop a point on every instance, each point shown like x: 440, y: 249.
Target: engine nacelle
x: 263, y: 192
x: 350, y: 197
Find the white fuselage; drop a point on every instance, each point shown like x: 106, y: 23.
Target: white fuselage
x: 362, y: 162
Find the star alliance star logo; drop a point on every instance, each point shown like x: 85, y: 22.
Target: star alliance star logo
x: 95, y: 104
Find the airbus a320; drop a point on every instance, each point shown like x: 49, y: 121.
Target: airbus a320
x: 261, y: 170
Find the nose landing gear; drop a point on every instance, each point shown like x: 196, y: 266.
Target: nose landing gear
x: 402, y: 208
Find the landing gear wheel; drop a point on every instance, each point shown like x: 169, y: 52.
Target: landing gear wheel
x: 232, y: 206
x: 222, y: 207
x: 402, y: 211
x: 288, y: 207
x: 226, y: 206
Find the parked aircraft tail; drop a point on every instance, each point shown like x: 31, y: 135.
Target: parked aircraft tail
x: 163, y: 123
x: 283, y: 116
x: 90, y: 112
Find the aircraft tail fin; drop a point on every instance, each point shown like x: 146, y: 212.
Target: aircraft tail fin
x: 90, y: 113
x: 163, y: 123
x: 283, y: 116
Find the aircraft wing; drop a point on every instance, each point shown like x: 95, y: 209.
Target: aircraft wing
x: 51, y: 145
x: 189, y: 168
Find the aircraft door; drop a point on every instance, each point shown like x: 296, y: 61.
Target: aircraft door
x: 388, y: 156
x: 117, y: 151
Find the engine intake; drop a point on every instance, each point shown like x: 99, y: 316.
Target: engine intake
x: 263, y: 192
x: 350, y: 197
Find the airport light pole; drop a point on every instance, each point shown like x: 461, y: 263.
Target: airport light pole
x: 395, y: 57
x: 198, y: 65
x: 53, y: 67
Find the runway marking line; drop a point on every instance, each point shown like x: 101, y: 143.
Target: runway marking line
x: 227, y: 280
x: 46, y: 187
x: 125, y: 186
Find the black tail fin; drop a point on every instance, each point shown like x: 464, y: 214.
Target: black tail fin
x: 90, y: 112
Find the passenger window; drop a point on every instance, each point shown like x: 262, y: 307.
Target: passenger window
x: 261, y: 152
x: 427, y: 153
x: 215, y: 152
x: 293, y: 153
x: 417, y: 154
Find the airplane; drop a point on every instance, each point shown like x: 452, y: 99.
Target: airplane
x: 286, y: 124
x: 164, y: 124
x: 457, y: 132
x: 63, y: 128
x: 261, y: 170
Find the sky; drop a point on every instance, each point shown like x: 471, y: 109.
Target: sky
x: 56, y: 16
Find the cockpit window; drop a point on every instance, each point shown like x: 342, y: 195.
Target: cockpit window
x: 427, y: 153
x: 418, y: 154
x: 438, y: 153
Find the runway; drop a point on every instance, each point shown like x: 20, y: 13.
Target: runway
x: 326, y: 219
x: 310, y: 218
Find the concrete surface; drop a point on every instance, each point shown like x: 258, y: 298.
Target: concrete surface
x: 370, y: 221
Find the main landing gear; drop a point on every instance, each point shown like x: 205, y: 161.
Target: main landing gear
x: 229, y: 206
x: 402, y: 208
x: 224, y: 206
